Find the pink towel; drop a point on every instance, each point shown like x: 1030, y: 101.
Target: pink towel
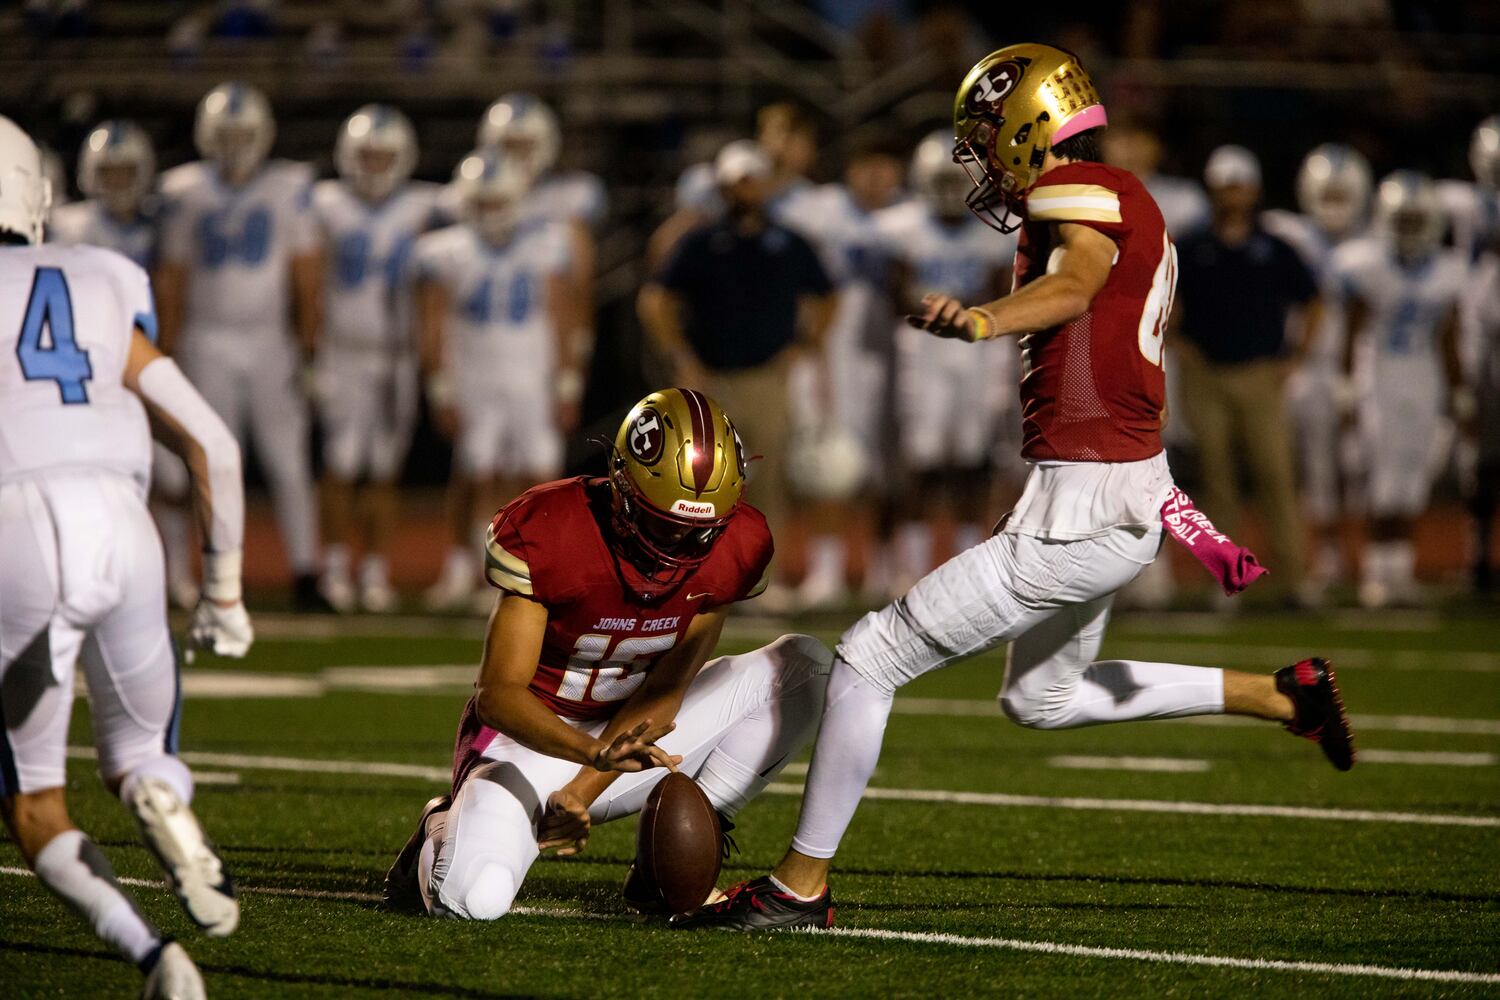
x: 1234, y: 566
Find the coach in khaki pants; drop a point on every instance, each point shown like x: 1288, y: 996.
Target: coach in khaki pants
x: 1247, y: 308
x: 737, y: 297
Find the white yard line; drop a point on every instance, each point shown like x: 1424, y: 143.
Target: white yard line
x: 1436, y: 758
x: 443, y: 774
x: 1213, y: 654
x: 1167, y: 765
x: 956, y: 940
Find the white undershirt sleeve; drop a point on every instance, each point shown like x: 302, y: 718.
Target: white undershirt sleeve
x: 168, y: 392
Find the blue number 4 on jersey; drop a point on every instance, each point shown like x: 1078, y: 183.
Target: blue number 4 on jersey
x: 51, y: 308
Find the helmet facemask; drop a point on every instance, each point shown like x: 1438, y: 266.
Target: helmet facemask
x: 994, y: 199
x: 661, y: 544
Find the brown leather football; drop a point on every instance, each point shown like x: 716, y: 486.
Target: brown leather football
x: 677, y: 843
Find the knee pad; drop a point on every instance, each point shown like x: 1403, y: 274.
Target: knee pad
x: 487, y: 896
x: 803, y: 653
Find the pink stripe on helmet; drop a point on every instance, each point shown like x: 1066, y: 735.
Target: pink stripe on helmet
x: 1092, y: 116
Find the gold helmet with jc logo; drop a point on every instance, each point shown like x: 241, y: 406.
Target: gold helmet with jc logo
x: 1015, y: 104
x: 677, y: 473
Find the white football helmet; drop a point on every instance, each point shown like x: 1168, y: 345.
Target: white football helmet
x: 937, y: 179
x: 524, y: 129
x: 234, y: 130
x: 117, y: 166
x: 827, y: 463
x: 376, y: 151
x: 1409, y: 214
x: 1333, y: 187
x: 25, y: 191
x: 489, y: 187
x: 1484, y: 152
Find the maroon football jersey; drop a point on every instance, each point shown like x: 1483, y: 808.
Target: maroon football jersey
x: 1092, y: 389
x: 550, y: 545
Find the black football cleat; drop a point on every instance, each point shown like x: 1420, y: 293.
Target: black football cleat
x: 307, y: 597
x: 758, y: 905
x: 401, y: 890
x: 1319, y: 709
x: 642, y: 895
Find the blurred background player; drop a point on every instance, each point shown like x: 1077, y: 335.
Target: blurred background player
x: 1481, y: 324
x: 82, y: 579
x: 366, y: 378
x: 1333, y: 192
x: 497, y: 347
x: 840, y: 420
x: 1248, y: 309
x: 523, y: 128
x: 238, y: 288
x: 1401, y: 295
x: 613, y: 594
x: 117, y: 175
x: 787, y: 133
x: 951, y: 397
x: 739, y: 299
x: 1473, y: 207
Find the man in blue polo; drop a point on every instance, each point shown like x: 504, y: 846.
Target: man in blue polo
x: 731, y: 306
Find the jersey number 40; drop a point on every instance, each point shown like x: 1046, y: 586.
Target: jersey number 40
x: 46, y: 348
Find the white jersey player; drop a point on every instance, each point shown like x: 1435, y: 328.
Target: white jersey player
x: 1401, y: 294
x: 1473, y: 207
x: 840, y: 408
x: 1333, y: 191
x: 366, y: 365
x: 239, y: 272
x: 497, y: 350
x: 82, y: 580
x: 523, y: 128
x: 117, y: 174
x: 952, y: 400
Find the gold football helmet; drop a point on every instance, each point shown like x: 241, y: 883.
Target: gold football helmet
x: 1015, y: 104
x: 677, y: 473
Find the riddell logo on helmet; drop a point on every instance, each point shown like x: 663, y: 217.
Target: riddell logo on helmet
x: 645, y: 439
x: 991, y: 89
x: 693, y: 508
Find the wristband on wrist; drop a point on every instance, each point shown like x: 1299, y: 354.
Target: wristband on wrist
x: 981, y: 323
x: 221, y: 576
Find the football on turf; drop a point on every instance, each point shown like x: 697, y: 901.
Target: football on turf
x: 677, y: 843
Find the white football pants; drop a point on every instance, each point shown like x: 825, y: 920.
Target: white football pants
x: 1051, y: 601
x: 254, y: 385
x: 743, y: 719
x: 81, y: 579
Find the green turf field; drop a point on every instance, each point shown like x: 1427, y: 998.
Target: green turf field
x: 1023, y: 889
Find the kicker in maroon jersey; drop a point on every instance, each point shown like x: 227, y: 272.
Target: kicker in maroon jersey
x: 1093, y: 389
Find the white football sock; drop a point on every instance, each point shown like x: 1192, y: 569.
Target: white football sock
x: 336, y: 561
x: 73, y: 867
x: 374, y: 570
x: 167, y: 769
x: 1401, y: 565
x: 844, y: 757
x: 782, y: 887
x: 826, y: 559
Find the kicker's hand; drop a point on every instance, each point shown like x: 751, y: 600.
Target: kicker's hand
x: 221, y: 629
x: 943, y: 316
x: 564, y: 824
x: 636, y: 750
